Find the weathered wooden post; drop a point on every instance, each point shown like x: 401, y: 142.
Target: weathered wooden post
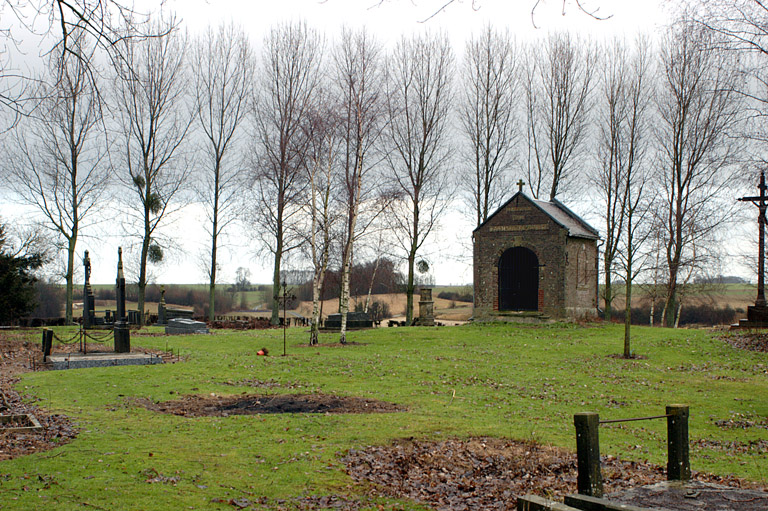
x: 589, y: 480
x: 678, y: 461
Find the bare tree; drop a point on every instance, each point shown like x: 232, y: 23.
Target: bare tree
x: 697, y: 106
x: 419, y: 101
x: 487, y: 114
x: 155, y: 117
x: 223, y: 66
x: 58, y: 165
x: 623, y: 125
x: 79, y: 27
x: 290, y: 76
x: 322, y: 132
x: 559, y: 74
x: 359, y: 76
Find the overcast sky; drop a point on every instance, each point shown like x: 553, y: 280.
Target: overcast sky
x: 388, y: 20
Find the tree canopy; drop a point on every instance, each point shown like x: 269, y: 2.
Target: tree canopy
x: 17, y: 280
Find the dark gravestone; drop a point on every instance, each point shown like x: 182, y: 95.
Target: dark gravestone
x: 354, y: 320
x: 122, y: 337
x: 89, y: 302
x: 121, y: 330
x: 161, y: 309
x: 120, y: 287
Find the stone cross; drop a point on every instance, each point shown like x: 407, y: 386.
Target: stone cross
x: 761, y: 201
x: 520, y: 185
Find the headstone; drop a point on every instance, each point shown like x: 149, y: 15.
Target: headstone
x: 354, y: 320
x: 426, y: 308
x: 182, y: 326
x: 121, y: 330
x: 161, y: 309
x: 89, y: 302
x: 120, y: 287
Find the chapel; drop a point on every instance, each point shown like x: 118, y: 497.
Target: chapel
x: 534, y: 259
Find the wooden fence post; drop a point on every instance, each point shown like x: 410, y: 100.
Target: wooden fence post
x: 589, y: 480
x: 678, y: 461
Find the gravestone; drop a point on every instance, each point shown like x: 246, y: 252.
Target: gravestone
x: 120, y: 287
x: 161, y: 309
x: 89, y: 302
x: 182, y: 326
x: 426, y: 308
x: 354, y: 320
x: 121, y: 330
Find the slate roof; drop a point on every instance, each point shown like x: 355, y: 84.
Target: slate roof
x: 559, y: 213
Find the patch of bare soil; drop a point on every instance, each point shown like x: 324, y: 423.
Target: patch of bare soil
x: 489, y: 473
x: 223, y: 406
x: 749, y: 341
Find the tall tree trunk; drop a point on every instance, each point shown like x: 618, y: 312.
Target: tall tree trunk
x: 608, y: 291
x: 70, y: 278
x: 214, y: 239
x: 370, y: 287
x: 344, y: 298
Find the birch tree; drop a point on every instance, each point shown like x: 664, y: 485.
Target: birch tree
x: 697, y: 107
x: 155, y: 116
x: 558, y: 81
x: 223, y: 67
x: 289, y: 77
x: 487, y: 114
x: 419, y: 101
x: 58, y: 157
x: 358, y: 75
x: 322, y: 131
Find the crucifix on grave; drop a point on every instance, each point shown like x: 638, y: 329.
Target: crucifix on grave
x: 283, y: 300
x: 759, y: 312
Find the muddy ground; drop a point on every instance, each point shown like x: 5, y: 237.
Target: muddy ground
x: 223, y: 406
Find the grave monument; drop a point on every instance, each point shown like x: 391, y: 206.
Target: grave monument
x: 89, y: 302
x: 757, y: 315
x: 121, y: 330
x: 426, y: 308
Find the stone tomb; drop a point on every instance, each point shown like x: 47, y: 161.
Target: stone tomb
x: 535, y: 260
x: 183, y: 326
x: 354, y: 320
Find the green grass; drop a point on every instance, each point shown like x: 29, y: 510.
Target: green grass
x: 517, y: 382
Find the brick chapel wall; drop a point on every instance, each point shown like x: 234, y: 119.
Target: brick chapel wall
x: 581, y: 278
x: 521, y: 224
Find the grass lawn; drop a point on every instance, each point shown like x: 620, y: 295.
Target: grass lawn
x: 519, y: 382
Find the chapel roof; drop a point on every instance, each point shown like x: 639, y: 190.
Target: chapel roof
x: 559, y: 213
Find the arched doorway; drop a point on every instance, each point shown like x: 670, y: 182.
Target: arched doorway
x: 518, y: 280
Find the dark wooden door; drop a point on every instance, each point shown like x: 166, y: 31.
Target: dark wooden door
x: 518, y: 280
